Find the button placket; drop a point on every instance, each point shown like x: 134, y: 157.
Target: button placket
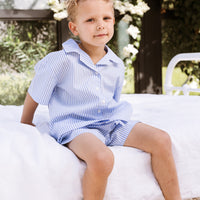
x: 98, y: 89
x: 98, y: 86
x: 102, y: 101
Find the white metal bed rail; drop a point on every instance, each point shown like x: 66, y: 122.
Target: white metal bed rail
x: 168, y: 86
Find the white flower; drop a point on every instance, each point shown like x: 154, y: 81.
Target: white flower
x: 133, y: 31
x: 138, y: 9
x: 127, y: 50
x: 60, y: 15
x: 51, y: 2
x: 141, y: 8
x: 57, y: 7
x: 129, y: 7
x: 127, y: 18
x: 118, y: 5
x: 128, y: 61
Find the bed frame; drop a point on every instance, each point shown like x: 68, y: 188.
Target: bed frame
x: 186, y: 89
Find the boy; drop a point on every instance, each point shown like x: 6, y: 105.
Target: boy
x: 81, y: 85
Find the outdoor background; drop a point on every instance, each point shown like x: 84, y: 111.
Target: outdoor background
x: 24, y: 43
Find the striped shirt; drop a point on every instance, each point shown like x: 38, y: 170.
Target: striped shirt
x: 78, y: 92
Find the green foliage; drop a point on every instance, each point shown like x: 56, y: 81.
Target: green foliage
x: 13, y: 87
x: 128, y: 87
x: 181, y: 32
x: 24, y: 44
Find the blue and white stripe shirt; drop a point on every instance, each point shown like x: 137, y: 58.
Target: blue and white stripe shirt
x: 77, y: 91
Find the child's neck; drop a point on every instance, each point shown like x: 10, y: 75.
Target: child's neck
x: 95, y: 53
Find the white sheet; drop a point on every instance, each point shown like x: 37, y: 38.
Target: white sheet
x: 34, y: 167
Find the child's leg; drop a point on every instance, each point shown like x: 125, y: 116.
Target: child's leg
x: 99, y: 159
x: 158, y: 144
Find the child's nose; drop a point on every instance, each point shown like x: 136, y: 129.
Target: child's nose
x: 100, y: 27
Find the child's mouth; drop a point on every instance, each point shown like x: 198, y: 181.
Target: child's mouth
x: 101, y: 35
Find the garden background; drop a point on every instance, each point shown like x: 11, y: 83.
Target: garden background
x: 24, y: 43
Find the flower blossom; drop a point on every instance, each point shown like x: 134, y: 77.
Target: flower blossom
x: 118, y: 5
x: 127, y: 50
x: 51, y: 2
x: 59, y: 9
x: 133, y: 31
x: 141, y: 8
x: 127, y: 18
x: 129, y: 7
x: 60, y: 15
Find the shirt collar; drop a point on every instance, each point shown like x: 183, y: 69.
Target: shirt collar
x: 72, y: 46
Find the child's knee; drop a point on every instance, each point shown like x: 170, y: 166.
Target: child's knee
x: 163, y: 143
x: 102, y: 163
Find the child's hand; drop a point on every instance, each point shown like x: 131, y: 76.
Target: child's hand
x: 32, y: 124
x: 29, y: 123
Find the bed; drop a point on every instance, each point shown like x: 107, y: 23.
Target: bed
x: 33, y: 166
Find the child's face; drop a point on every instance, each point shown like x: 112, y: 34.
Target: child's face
x: 94, y: 23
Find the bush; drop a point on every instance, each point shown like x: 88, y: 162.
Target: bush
x: 13, y: 87
x: 181, y: 33
x: 23, y: 44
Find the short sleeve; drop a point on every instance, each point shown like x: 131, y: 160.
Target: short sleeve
x: 44, y: 82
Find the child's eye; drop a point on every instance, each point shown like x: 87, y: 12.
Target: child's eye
x: 90, y: 20
x: 107, y: 18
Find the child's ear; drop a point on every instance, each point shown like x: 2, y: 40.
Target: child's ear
x: 73, y: 28
x: 114, y: 21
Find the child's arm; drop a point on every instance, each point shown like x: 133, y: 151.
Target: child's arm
x: 28, y: 111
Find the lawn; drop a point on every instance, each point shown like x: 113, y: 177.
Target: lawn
x: 178, y: 79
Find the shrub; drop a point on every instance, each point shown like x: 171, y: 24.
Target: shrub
x: 13, y: 87
x: 181, y: 33
x: 23, y: 44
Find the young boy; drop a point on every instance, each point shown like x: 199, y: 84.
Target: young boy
x: 81, y: 84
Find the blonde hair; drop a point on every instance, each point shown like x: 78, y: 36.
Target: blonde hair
x: 71, y: 6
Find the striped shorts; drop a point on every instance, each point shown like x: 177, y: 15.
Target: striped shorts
x: 111, y: 133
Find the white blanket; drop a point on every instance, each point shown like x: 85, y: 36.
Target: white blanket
x: 33, y: 166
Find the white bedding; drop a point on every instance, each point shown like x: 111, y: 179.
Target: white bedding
x: 34, y: 167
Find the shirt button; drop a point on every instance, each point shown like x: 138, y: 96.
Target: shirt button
x: 99, y: 111
x: 103, y: 101
x: 97, y: 88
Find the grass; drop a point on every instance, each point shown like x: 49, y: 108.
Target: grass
x: 178, y: 78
